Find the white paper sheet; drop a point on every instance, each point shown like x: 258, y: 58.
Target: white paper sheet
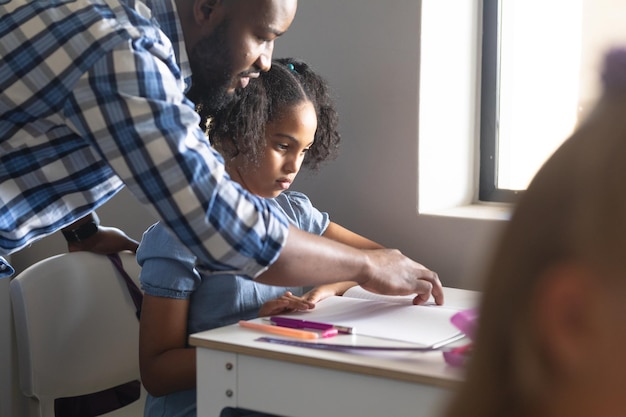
x: 422, y: 325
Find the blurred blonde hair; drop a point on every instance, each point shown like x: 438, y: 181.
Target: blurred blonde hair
x: 574, y: 209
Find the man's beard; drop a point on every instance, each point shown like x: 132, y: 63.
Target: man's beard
x: 212, y: 74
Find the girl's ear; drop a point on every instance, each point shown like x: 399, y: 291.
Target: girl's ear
x: 565, y: 314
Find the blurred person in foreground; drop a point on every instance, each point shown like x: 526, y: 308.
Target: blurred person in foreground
x: 551, y: 333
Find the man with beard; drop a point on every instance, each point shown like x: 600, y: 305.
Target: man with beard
x: 92, y: 98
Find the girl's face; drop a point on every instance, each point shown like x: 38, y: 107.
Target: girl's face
x: 287, y: 139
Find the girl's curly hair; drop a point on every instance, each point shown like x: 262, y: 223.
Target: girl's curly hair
x: 240, y: 127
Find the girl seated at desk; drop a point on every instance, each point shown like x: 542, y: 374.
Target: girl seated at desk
x: 281, y: 121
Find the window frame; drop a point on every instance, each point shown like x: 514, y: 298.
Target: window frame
x: 488, y: 190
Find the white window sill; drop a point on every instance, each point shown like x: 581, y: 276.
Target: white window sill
x: 483, y: 211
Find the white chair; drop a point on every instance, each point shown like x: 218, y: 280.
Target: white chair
x: 76, y: 330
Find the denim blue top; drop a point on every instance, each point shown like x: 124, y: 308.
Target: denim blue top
x: 216, y: 299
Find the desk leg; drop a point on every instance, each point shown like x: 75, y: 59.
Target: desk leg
x: 216, y: 381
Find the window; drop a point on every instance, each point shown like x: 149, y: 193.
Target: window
x: 540, y: 72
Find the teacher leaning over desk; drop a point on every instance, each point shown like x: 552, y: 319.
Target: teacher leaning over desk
x: 92, y: 99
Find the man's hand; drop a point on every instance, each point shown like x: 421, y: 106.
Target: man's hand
x: 307, y: 259
x: 393, y: 273
x: 106, y: 240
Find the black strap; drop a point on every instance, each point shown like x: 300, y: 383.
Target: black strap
x: 133, y: 289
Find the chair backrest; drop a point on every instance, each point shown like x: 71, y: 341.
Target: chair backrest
x: 76, y: 329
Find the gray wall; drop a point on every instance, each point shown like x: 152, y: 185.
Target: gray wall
x: 369, y: 52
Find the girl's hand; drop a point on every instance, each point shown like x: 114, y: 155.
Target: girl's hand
x: 285, y: 304
x: 322, y: 292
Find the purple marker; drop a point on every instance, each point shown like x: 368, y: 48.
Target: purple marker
x: 304, y: 324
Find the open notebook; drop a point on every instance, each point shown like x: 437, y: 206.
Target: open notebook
x: 392, y: 317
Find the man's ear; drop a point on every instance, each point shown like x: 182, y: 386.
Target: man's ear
x: 565, y: 303
x: 205, y: 9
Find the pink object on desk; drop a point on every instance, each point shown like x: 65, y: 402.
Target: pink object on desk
x: 288, y: 331
x: 465, y: 321
x: 328, y: 330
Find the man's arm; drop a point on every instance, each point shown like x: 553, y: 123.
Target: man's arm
x: 308, y: 259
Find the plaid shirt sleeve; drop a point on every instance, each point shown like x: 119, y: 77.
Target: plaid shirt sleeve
x: 148, y: 132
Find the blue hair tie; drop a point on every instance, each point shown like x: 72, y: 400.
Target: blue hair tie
x: 291, y: 67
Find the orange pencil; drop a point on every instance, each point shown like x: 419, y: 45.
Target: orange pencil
x: 283, y: 331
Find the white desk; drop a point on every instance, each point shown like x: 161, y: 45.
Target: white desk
x: 234, y: 370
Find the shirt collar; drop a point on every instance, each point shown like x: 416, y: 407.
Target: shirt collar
x: 164, y: 12
x: 5, y: 269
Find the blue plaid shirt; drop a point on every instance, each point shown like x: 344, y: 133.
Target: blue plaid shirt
x: 92, y: 99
